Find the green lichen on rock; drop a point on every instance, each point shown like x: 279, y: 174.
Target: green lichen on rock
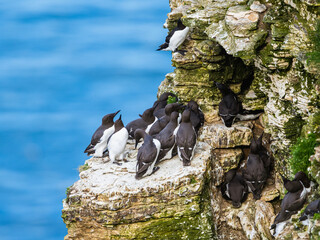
x: 195, y: 226
x: 312, y: 125
x: 293, y: 127
x: 313, y: 57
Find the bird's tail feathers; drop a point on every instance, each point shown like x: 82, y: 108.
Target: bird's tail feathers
x: 89, y: 148
x: 184, y: 154
x: 163, y: 46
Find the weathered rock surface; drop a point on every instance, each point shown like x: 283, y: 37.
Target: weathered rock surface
x: 251, y: 221
x: 109, y: 203
x: 219, y: 136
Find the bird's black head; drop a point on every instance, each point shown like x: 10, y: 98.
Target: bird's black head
x: 236, y: 204
x: 237, y: 195
x: 228, y: 120
x: 174, y: 116
x: 193, y: 106
x: 186, y: 116
x: 254, y: 146
x: 109, y: 118
x: 301, y: 176
x: 180, y: 25
x: 138, y: 134
x: 164, y: 96
x: 230, y: 174
x: 172, y: 107
x: 147, y: 115
x: 118, y: 124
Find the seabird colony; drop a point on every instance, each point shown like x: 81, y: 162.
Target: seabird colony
x: 168, y: 129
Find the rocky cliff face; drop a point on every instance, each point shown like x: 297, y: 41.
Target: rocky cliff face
x: 268, y: 53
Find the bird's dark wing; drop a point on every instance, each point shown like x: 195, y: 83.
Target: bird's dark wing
x: 292, y: 202
x: 145, y: 155
x: 95, y: 139
x: 166, y: 141
x: 97, y: 135
x: 186, y: 141
x: 159, y: 113
x: 293, y: 186
x: 170, y: 34
x: 135, y: 124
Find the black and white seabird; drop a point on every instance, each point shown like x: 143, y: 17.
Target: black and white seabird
x: 161, y: 103
x: 145, y: 122
x: 163, y: 121
x: 196, y: 116
x: 167, y: 138
x: 311, y: 209
x: 293, y: 201
x: 147, y: 154
x: 230, y: 107
x: 264, y: 154
x: 99, y: 140
x: 256, y: 173
x: 175, y: 38
x: 186, y: 139
x: 234, y: 188
x: 117, y: 142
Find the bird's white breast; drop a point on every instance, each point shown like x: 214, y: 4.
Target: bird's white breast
x: 150, y: 168
x: 178, y: 38
x: 118, y: 141
x: 150, y: 125
x: 102, y: 145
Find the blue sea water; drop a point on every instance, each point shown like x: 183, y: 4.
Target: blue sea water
x: 63, y: 65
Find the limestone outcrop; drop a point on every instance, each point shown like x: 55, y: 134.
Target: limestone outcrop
x: 268, y: 53
x: 109, y: 203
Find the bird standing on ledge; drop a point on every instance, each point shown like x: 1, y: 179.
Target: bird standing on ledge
x: 99, y: 140
x: 175, y: 38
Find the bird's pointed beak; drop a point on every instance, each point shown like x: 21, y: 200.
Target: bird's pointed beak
x: 140, y: 115
x: 283, y: 177
x: 135, y: 146
x: 116, y: 113
x: 120, y: 117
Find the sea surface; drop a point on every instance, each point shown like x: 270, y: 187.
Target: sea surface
x: 63, y: 66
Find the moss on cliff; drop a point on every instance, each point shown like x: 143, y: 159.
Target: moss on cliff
x: 301, y: 152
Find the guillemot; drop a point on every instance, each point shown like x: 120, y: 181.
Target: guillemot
x: 175, y: 38
x: 147, y: 154
x: 167, y: 138
x: 256, y: 173
x: 196, y: 115
x: 99, y: 140
x: 186, y: 139
x: 230, y: 108
x: 145, y: 122
x: 117, y: 141
x: 164, y: 120
x: 234, y: 188
x: 293, y: 201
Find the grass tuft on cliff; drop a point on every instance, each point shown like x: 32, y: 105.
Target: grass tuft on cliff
x: 83, y: 167
x: 301, y: 152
